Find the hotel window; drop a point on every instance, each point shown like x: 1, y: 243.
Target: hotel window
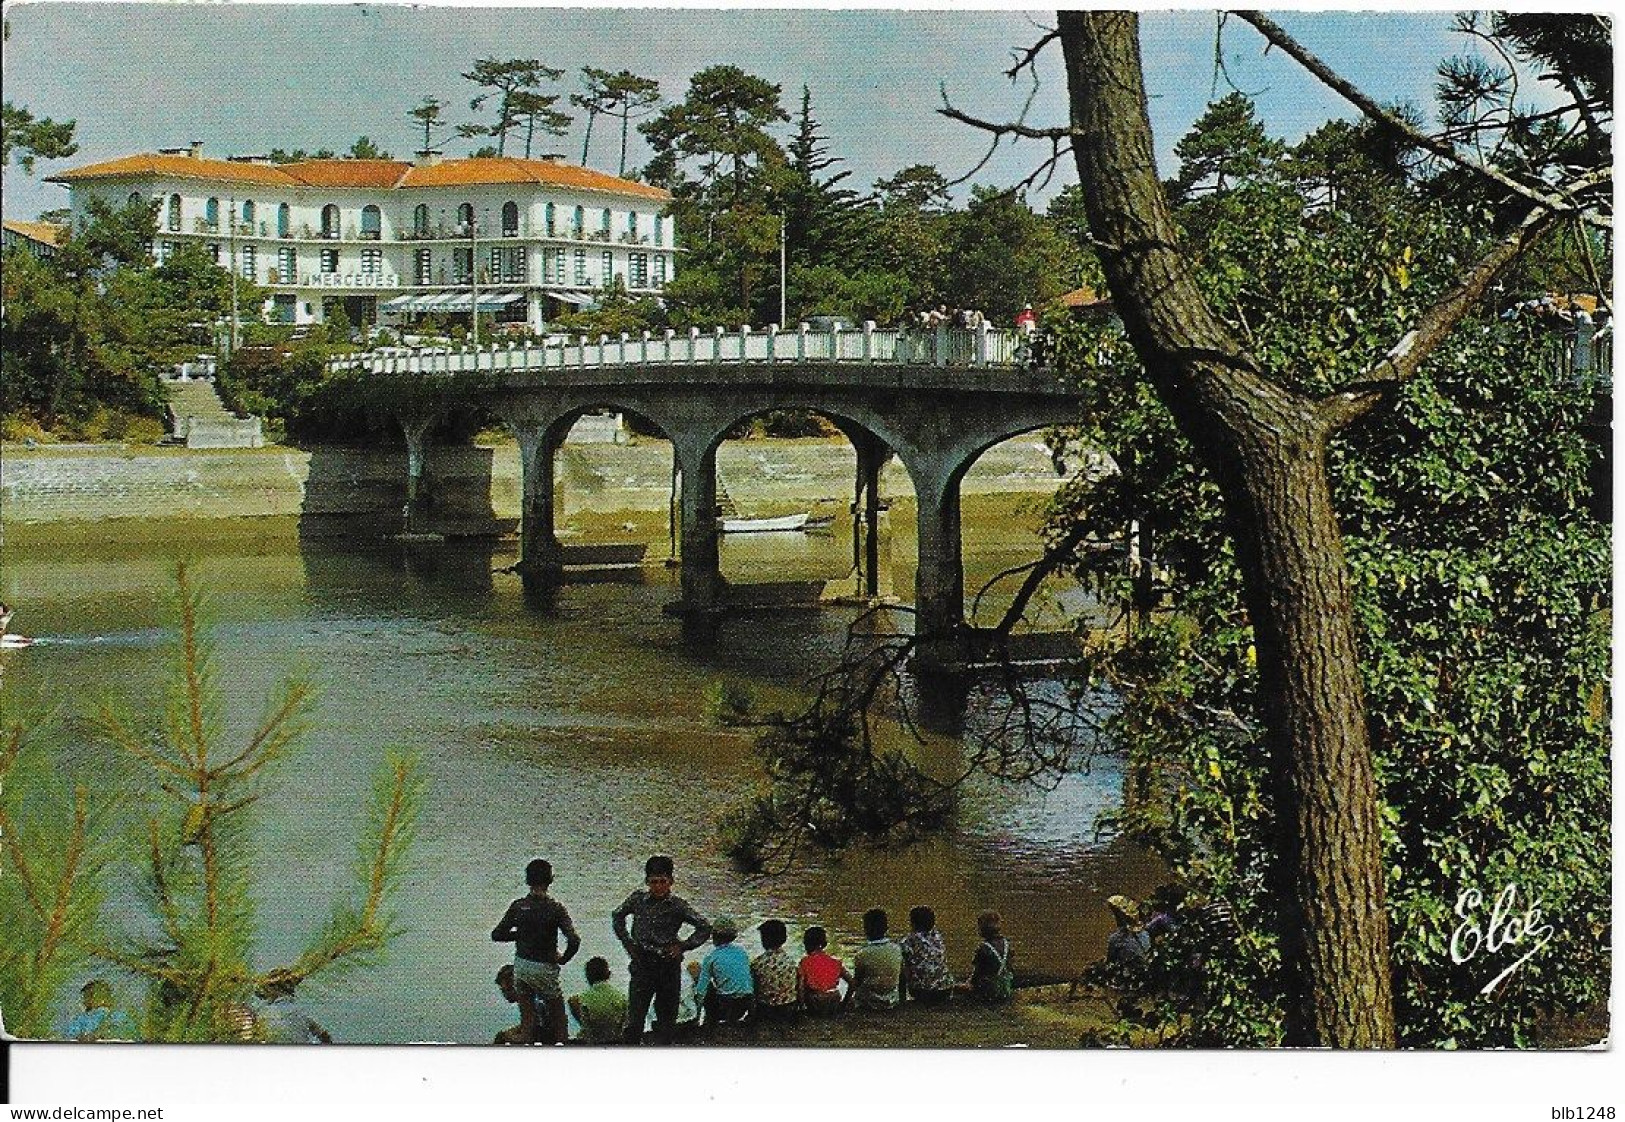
x: 632, y: 225
x: 579, y: 227
x: 660, y: 270
x: 246, y: 262
x: 638, y: 270
x: 465, y: 218
x: 284, y: 221
x: 425, y: 266
x: 372, y: 261
x: 330, y: 260
x: 462, y: 264
x: 372, y: 223
x: 214, y: 252
x: 168, y: 250
x: 660, y: 224
x: 510, y: 220
x: 551, y: 217
x: 607, y: 271
x: 604, y: 224
x: 330, y: 220
x: 558, y: 266
x: 581, y: 266
x: 420, y: 220
x: 174, y: 212
x: 507, y: 264
x: 518, y: 266
x: 211, y: 214
x: 287, y: 263
x: 135, y: 197
x: 248, y: 214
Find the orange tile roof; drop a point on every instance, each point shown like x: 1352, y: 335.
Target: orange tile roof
x: 347, y: 173
x: 1084, y: 297
x: 184, y: 167
x: 377, y: 174
x: 510, y: 169
x: 47, y: 233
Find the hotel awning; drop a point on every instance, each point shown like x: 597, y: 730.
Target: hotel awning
x: 451, y: 302
x: 578, y: 299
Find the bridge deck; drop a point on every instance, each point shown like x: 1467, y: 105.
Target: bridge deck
x: 983, y: 360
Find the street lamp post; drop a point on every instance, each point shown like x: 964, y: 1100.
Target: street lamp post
x: 231, y: 240
x: 783, y: 270
x: 474, y: 275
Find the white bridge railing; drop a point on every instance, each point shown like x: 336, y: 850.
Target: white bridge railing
x: 981, y: 347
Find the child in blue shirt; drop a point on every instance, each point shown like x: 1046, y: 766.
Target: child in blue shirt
x: 725, y: 989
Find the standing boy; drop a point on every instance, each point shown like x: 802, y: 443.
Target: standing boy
x: 655, y: 950
x: 532, y: 924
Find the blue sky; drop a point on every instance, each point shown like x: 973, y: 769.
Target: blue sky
x: 246, y: 78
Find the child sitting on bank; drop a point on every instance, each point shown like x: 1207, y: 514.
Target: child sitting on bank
x: 517, y: 993
x: 774, y: 973
x: 724, y: 990
x: 820, y: 975
x: 925, y: 959
x: 600, y: 1010
x: 992, y: 979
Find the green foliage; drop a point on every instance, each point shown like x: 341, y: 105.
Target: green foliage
x: 27, y: 138
x: 617, y: 311
x: 365, y: 149
x: 87, y: 331
x: 514, y: 85
x: 1481, y: 596
x: 282, y: 156
x: 54, y: 855
x: 195, y: 947
x: 728, y: 702
x: 430, y: 115
x: 1000, y: 255
x: 622, y: 94
x: 1227, y: 143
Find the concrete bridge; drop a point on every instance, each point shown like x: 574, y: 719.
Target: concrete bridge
x: 936, y: 399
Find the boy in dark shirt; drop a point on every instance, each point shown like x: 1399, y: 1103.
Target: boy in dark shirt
x: 533, y: 924
x: 655, y: 950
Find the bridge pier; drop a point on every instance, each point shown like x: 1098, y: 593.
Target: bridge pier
x: 939, y: 575
x: 418, y: 499
x: 872, y: 454
x: 540, y: 554
x: 700, y: 554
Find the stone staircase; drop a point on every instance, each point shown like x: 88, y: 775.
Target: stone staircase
x: 197, y: 418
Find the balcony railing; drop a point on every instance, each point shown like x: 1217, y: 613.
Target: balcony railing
x: 865, y: 346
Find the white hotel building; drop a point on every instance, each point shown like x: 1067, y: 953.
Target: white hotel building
x: 391, y: 241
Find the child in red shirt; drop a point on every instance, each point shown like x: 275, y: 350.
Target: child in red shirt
x: 820, y: 974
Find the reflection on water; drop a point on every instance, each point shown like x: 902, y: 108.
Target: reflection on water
x: 574, y: 730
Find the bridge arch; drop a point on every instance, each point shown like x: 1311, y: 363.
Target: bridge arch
x: 872, y: 436
x: 541, y: 424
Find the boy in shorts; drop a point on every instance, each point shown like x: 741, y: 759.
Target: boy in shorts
x: 533, y: 924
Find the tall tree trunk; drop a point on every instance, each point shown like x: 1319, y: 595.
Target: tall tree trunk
x: 587, y: 140
x: 626, y: 124
x: 1266, y: 449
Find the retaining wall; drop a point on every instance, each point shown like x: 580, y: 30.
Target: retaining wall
x: 354, y: 490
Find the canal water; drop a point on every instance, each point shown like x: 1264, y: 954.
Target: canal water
x: 577, y: 731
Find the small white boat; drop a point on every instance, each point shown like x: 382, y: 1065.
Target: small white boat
x: 9, y: 641
x: 786, y: 523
